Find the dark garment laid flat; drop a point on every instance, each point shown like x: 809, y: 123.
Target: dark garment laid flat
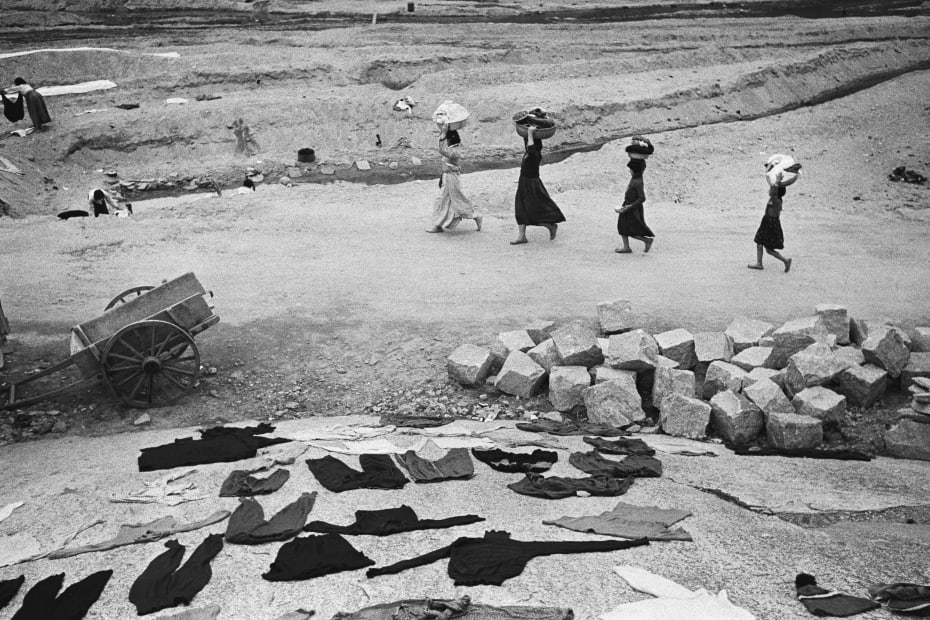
x: 162, y: 584
x: 620, y: 446
x: 454, y: 465
x: 516, y: 462
x: 414, y: 608
x: 378, y: 472
x: 243, y: 484
x: 805, y: 453
x: 903, y: 598
x: 220, y: 444
x: 629, y: 521
x: 315, y: 556
x: 822, y: 602
x: 532, y: 205
x: 389, y: 521
x: 42, y: 601
x: 769, y: 235
x: 556, y: 487
x: 9, y: 588
x: 35, y: 105
x: 13, y: 110
x: 568, y: 427
x: 637, y: 465
x: 247, y: 525
x: 496, y: 557
x: 414, y: 421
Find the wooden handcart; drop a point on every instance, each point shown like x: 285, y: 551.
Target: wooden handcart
x: 142, y: 347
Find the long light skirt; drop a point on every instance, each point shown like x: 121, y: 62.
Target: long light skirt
x: 452, y: 206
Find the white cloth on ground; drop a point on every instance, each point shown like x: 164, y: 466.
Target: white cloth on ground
x: 75, y: 89
x: 166, y: 490
x: 7, y: 510
x: 674, y: 600
x: 340, y: 431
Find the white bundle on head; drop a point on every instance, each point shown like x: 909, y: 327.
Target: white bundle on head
x: 782, y: 170
x: 451, y: 114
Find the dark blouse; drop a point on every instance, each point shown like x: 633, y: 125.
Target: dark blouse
x: 635, y: 192
x: 532, y: 157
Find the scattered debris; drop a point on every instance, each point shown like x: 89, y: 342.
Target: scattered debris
x: 9, y: 167
x: 362, y: 165
x: 127, y: 106
x: 143, y: 419
x: 176, y: 101
x: 205, y: 97
x: 405, y: 104
x: 901, y: 173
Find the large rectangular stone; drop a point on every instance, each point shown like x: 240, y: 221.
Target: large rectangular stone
x: 909, y: 439
x: 792, y: 431
x: 546, y: 355
x: 507, y: 342
x: 678, y: 345
x: 615, y: 402
x: 796, y: 335
x: 922, y: 339
x: 633, y: 350
x: 768, y: 397
x: 470, y: 364
x: 917, y: 366
x: 567, y: 385
x: 520, y: 376
x: 615, y: 316
x: 668, y: 380
x: 683, y: 416
x: 540, y: 330
x: 577, y: 346
x: 836, y: 320
x: 815, y: 365
x: 755, y: 357
x: 745, y: 332
x: 722, y: 376
x: 821, y: 403
x: 607, y: 373
x: 712, y: 346
x: 886, y: 348
x: 863, y: 385
x: 735, y: 417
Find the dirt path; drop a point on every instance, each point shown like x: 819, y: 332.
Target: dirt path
x: 334, y: 295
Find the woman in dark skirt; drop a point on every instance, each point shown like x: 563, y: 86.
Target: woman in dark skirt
x: 769, y: 235
x: 35, y: 103
x: 532, y: 205
x: 631, y: 222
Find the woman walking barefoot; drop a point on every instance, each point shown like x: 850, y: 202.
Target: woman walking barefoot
x: 769, y: 235
x: 452, y: 206
x: 532, y: 204
x: 630, y: 221
x: 35, y: 103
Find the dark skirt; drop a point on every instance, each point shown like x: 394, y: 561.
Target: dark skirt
x: 533, y: 206
x: 769, y: 234
x: 632, y: 223
x: 35, y: 103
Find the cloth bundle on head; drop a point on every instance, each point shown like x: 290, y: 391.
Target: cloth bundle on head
x: 451, y: 114
x: 536, y: 117
x: 782, y: 170
x: 640, y: 148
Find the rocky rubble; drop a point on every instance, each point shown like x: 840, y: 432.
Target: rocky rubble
x: 790, y: 386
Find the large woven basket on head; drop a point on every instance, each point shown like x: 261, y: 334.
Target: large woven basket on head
x: 545, y: 127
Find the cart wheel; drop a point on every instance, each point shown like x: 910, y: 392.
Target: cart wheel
x: 150, y: 364
x: 129, y: 293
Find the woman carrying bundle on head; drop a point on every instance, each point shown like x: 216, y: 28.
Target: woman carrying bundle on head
x: 35, y: 103
x: 780, y: 171
x: 452, y: 206
x: 630, y: 219
x: 532, y: 204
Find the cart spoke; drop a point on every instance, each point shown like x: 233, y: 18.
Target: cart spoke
x: 172, y: 379
x: 164, y: 343
x: 151, y: 387
x: 125, y: 368
x: 189, y: 358
x: 135, y: 389
x: 178, y: 369
x: 125, y: 380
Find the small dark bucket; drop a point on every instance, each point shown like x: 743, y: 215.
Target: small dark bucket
x: 410, y: 7
x: 306, y: 156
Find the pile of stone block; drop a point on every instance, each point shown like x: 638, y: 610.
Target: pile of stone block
x: 754, y: 378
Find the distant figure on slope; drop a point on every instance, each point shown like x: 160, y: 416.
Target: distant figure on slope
x: 452, y: 206
x: 101, y: 202
x: 532, y: 204
x: 35, y: 103
x: 770, y: 235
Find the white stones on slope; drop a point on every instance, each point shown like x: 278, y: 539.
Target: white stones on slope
x: 470, y: 364
x: 678, y: 345
x: 567, y: 385
x: 615, y: 316
x: 836, y: 320
x: 633, y: 350
x: 821, y: 403
x: 520, y: 376
x: 737, y: 419
x: 745, y: 332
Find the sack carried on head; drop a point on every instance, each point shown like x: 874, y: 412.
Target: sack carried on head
x: 451, y: 114
x: 782, y: 170
x: 640, y: 148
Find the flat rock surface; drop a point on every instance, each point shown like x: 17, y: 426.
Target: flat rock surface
x: 753, y: 556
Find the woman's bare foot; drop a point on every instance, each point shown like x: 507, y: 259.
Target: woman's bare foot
x: 754, y: 266
x: 518, y: 241
x: 648, y: 244
x: 434, y: 229
x: 623, y: 251
x: 787, y: 265
x: 478, y: 220
x: 553, y: 229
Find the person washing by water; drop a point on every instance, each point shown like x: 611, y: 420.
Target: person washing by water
x: 532, y: 205
x: 102, y: 202
x: 35, y: 103
x: 631, y: 221
x: 452, y: 206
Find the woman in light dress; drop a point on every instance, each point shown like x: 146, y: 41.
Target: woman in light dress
x: 452, y: 206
